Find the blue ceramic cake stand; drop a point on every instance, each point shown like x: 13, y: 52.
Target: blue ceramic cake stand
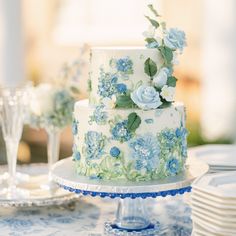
x: 132, y: 217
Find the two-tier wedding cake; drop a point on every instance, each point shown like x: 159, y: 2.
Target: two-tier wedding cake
x: 131, y: 128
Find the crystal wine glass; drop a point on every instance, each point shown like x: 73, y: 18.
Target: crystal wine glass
x: 12, y: 111
x: 53, y: 148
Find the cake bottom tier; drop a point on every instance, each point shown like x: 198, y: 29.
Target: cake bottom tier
x: 129, y: 144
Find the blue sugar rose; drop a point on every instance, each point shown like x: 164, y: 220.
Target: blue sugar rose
x: 146, y: 97
x: 175, y: 39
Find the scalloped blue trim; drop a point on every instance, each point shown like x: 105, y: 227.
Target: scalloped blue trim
x: 172, y: 192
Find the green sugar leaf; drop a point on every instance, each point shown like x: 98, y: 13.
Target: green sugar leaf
x: 124, y: 101
x: 153, y: 22
x: 171, y: 81
x: 150, y: 40
x: 153, y: 10
x: 133, y: 122
x: 150, y: 67
x: 167, y: 54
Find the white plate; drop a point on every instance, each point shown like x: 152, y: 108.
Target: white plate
x: 209, y: 196
x: 214, y: 216
x: 221, y: 224
x: 37, y: 196
x: 216, y: 155
x: 202, y: 231
x: 220, y: 184
x: 213, y: 228
x: 231, y: 212
x: 210, y: 203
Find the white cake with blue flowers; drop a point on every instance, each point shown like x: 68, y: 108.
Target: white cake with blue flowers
x: 130, y: 128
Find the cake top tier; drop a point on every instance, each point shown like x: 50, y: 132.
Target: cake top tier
x: 137, y: 77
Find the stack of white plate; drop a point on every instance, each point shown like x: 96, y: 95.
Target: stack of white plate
x: 218, y: 157
x: 213, y: 203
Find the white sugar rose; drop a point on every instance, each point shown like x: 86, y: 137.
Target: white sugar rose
x: 175, y: 39
x: 109, y: 102
x: 161, y: 78
x: 42, y: 99
x: 146, y: 97
x: 168, y: 93
x: 150, y: 33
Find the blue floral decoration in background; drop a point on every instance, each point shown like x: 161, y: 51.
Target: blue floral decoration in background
x: 145, y: 152
x: 115, y: 151
x: 61, y: 115
x: 124, y: 65
x: 94, y: 144
x: 120, y: 131
x: 99, y: 115
x: 172, y: 166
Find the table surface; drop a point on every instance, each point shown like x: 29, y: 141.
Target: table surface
x: 87, y: 215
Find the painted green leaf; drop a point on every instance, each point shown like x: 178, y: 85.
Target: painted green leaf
x: 133, y: 122
x: 153, y: 10
x: 153, y: 22
x: 150, y: 67
x: 124, y: 101
x: 150, y: 40
x: 171, y: 81
x: 167, y: 54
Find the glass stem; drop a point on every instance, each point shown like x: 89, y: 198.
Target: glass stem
x: 12, y: 148
x: 53, y: 147
x: 132, y: 214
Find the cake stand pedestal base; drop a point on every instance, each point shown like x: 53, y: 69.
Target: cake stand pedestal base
x: 132, y: 218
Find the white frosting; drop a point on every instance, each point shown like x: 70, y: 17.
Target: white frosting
x: 153, y: 123
x: 101, y: 56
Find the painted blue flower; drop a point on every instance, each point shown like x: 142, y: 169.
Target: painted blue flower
x: 145, y: 152
x: 115, y: 151
x: 169, y: 138
x: 149, y: 121
x: 99, y: 115
x: 107, y: 84
x: 172, y: 166
x: 94, y: 144
x: 76, y: 154
x: 120, y: 131
x: 95, y: 177
x: 75, y: 127
x: 175, y: 39
x: 181, y: 133
x: 124, y: 65
x: 121, y: 88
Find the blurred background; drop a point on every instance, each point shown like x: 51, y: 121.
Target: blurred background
x: 38, y: 36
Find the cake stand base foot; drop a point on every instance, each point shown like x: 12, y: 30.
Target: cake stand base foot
x: 153, y: 229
